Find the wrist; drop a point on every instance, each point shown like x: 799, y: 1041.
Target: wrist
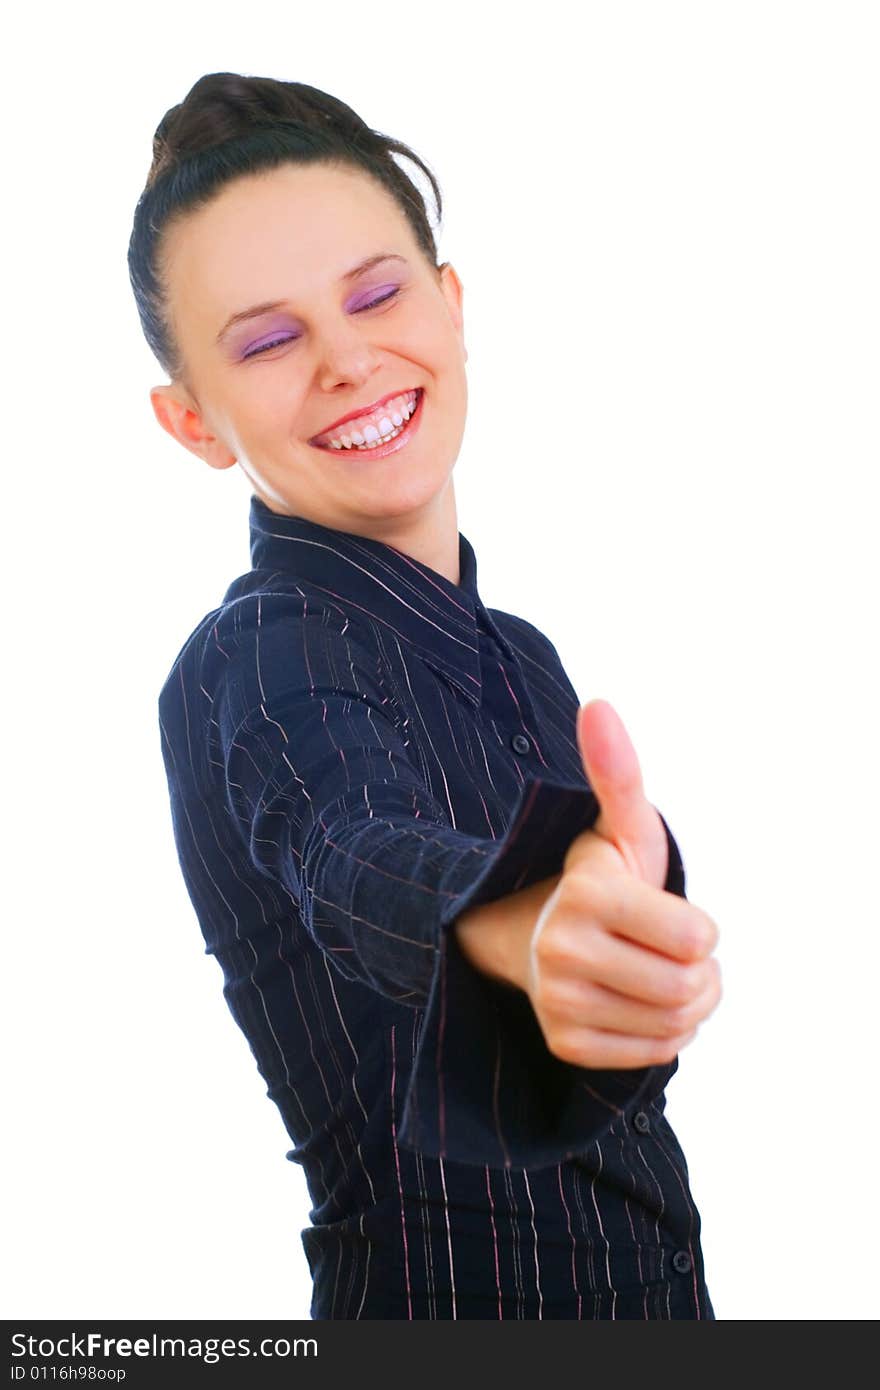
x: 496, y: 937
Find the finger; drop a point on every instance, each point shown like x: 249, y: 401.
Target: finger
x: 593, y: 1047
x: 612, y: 769
x: 587, y: 1003
x: 624, y: 906
x: 644, y: 975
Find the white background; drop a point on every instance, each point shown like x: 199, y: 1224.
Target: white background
x: 666, y: 220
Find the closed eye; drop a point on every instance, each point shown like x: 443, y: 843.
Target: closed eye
x: 371, y: 304
x: 292, y: 337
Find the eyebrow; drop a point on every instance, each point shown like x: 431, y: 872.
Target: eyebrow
x: 256, y: 309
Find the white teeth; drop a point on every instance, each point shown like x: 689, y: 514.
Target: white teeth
x: 398, y: 410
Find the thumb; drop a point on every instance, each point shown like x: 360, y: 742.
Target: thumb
x: 626, y: 818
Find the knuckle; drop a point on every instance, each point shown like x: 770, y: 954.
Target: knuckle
x: 696, y: 939
x: 564, y: 1046
x: 681, y: 989
x: 550, y: 951
x: 700, y: 973
x: 576, y: 894
x: 665, y: 1052
x: 565, y: 952
x: 549, y: 998
x: 676, y: 1022
x: 699, y: 935
x: 600, y: 898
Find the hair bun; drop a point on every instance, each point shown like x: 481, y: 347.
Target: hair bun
x: 224, y: 106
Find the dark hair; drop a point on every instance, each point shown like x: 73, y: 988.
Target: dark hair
x: 230, y: 125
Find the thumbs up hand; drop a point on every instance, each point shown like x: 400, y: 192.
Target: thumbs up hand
x: 619, y: 973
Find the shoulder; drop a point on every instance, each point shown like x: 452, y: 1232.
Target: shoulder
x: 272, y: 634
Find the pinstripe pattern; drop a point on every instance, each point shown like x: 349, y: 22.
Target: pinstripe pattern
x: 337, y: 737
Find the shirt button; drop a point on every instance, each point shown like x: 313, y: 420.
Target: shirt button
x: 641, y: 1122
x: 682, y: 1261
x: 520, y: 744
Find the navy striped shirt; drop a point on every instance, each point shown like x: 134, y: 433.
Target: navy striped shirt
x: 357, y: 750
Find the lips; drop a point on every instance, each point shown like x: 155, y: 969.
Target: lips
x: 361, y: 411
x: 382, y: 447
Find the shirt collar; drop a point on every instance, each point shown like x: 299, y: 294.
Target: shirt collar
x: 419, y: 604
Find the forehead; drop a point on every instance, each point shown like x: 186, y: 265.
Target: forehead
x: 280, y: 232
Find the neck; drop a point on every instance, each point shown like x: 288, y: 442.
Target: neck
x: 431, y: 536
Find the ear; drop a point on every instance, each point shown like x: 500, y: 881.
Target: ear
x: 453, y: 293
x: 179, y: 415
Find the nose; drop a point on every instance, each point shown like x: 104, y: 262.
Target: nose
x: 345, y: 355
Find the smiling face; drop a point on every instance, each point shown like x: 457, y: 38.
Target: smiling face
x: 360, y: 315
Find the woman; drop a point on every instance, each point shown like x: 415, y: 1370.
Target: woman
x: 395, y: 823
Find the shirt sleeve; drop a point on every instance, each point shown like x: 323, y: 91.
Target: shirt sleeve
x: 328, y: 795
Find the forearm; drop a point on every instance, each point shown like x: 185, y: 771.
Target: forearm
x: 496, y: 937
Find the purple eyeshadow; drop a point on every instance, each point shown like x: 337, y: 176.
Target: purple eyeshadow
x: 377, y: 292
x: 282, y: 329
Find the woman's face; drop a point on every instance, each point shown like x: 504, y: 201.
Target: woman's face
x: 340, y: 338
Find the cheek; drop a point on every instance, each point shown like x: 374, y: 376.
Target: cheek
x: 267, y: 402
x: 427, y: 333
x: 440, y: 353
